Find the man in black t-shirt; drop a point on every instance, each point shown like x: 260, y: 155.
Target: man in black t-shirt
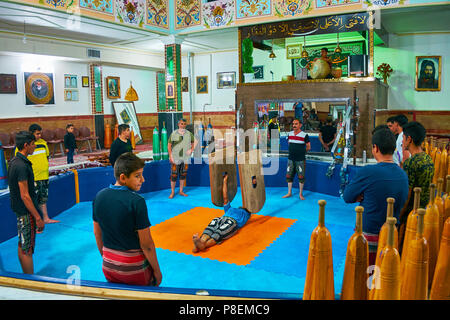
x: 24, y: 199
x: 327, y: 135
x: 122, y: 143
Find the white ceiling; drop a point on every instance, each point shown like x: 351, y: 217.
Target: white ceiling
x: 18, y: 18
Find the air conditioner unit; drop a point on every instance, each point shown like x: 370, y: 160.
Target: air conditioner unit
x: 93, y: 53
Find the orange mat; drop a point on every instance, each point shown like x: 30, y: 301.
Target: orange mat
x: 260, y: 231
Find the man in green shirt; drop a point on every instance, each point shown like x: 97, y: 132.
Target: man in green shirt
x: 420, y: 170
x: 180, y: 146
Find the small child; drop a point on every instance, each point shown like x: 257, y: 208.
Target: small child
x: 122, y: 227
x: 39, y: 160
x: 224, y: 227
x: 70, y: 143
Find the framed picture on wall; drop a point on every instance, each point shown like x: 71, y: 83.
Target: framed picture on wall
x: 70, y: 81
x: 85, y: 81
x: 8, y: 83
x: 70, y: 95
x: 113, y: 87
x: 202, y: 84
x: 126, y: 113
x: 39, y: 88
x: 184, y: 84
x: 259, y: 72
x: 294, y: 51
x: 170, y: 89
x: 428, y: 73
x: 226, y: 80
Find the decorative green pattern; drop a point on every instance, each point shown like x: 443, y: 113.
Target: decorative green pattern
x: 98, y: 89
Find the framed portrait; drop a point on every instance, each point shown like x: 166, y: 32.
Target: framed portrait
x: 226, y: 80
x: 39, y: 88
x: 428, y: 73
x: 8, y: 83
x: 85, y: 81
x: 294, y: 51
x: 70, y: 95
x: 259, y: 72
x: 70, y: 81
x: 126, y: 113
x: 184, y: 84
x: 202, y: 84
x: 170, y: 89
x: 113, y: 87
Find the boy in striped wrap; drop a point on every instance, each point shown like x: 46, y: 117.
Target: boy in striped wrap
x: 122, y: 227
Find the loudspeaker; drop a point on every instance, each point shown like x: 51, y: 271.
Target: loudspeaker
x: 357, y: 65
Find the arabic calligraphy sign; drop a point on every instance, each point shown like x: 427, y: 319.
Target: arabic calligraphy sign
x: 319, y: 25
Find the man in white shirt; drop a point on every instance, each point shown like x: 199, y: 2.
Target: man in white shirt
x: 396, y: 124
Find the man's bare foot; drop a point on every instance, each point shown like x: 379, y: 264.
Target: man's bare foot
x: 198, y: 244
x: 301, y: 197
x: 287, y: 195
x: 51, y: 221
x: 171, y: 195
x: 183, y: 194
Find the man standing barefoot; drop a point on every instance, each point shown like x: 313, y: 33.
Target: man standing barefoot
x: 298, y: 146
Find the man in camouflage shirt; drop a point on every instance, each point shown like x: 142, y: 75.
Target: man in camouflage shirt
x: 419, y: 168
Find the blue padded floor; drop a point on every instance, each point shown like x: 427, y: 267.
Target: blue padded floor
x: 281, y: 267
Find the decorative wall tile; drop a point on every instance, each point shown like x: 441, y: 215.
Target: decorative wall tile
x: 187, y: 13
x: 383, y: 3
x: 252, y: 8
x: 218, y: 13
x: 61, y: 4
x: 131, y: 12
x: 102, y: 6
x: 292, y: 7
x: 157, y: 13
x: 334, y: 3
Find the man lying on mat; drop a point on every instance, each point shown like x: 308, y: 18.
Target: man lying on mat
x: 224, y: 227
x: 122, y: 227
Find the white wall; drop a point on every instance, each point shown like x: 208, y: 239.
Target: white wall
x: 209, y: 65
x: 401, y: 55
x: 13, y: 105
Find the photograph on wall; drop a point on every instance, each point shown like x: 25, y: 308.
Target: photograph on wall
x: 428, y: 73
x: 259, y: 72
x: 126, y: 113
x: 202, y: 84
x: 85, y: 82
x: 70, y: 95
x: 70, y: 81
x: 113, y: 87
x: 184, y: 84
x: 170, y: 91
x: 8, y: 83
x: 39, y: 88
x: 226, y: 80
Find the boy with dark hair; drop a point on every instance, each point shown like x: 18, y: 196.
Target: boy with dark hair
x: 39, y: 161
x: 24, y: 200
x: 122, y: 227
x: 122, y: 143
x: 298, y: 146
x: 419, y: 169
x: 224, y: 227
x: 373, y: 184
x: 70, y: 143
